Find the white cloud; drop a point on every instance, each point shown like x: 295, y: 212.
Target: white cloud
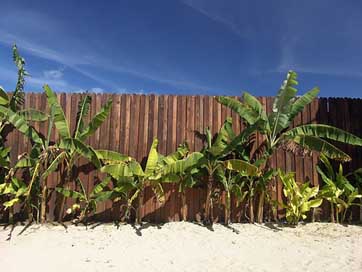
x: 96, y: 90
x: 53, y: 74
x: 80, y: 57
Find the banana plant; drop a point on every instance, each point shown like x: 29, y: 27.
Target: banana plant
x: 72, y: 146
x: 214, y: 152
x: 300, y: 198
x: 37, y: 162
x: 13, y: 116
x: 183, y: 172
x: 219, y: 155
x: 338, y: 190
x: 86, y: 203
x: 131, y: 179
x: 276, y: 131
x: 234, y: 175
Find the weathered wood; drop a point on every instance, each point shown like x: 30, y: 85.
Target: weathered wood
x: 135, y: 120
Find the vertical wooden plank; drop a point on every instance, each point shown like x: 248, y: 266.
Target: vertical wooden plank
x: 127, y: 124
x: 308, y: 160
x: 170, y: 207
x: 133, y: 126
x: 99, y: 144
x: 146, y: 126
x: 190, y: 104
x: 314, y: 108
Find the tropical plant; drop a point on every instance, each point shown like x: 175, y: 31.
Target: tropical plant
x: 338, y: 190
x: 301, y: 198
x: 72, y: 146
x: 183, y: 172
x: 12, y: 116
x: 86, y: 203
x: 276, y: 131
x: 234, y: 177
x: 130, y: 179
x: 219, y: 155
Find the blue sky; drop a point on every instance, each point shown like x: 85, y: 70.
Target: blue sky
x: 184, y: 47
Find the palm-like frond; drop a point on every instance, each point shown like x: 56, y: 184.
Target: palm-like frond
x: 83, y: 110
x: 59, y: 117
x: 17, y: 98
x: 96, y: 121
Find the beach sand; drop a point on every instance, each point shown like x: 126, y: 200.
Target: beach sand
x: 181, y: 246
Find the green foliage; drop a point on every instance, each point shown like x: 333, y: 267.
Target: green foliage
x: 286, y: 106
x: 301, y: 198
x: 338, y: 189
x: 276, y: 131
x: 230, y: 161
x: 86, y: 203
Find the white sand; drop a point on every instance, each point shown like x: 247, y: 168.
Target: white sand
x: 182, y: 247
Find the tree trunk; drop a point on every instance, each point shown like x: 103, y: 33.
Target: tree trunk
x: 62, y: 199
x: 251, y: 210
x: 11, y: 215
x: 43, y: 204
x: 227, y: 208
x: 261, y: 207
x: 332, y: 213
x: 360, y: 210
x: 139, y: 216
x: 208, y: 200
x: 184, y: 206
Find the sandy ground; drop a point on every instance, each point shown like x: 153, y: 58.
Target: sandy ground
x: 182, y: 247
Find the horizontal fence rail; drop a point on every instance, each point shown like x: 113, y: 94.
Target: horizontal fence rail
x: 135, y: 120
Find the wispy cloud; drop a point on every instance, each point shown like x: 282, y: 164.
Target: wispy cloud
x: 53, y: 74
x: 214, y: 16
x: 291, y: 60
x: 80, y: 57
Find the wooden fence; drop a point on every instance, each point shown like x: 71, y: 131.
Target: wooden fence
x: 136, y: 119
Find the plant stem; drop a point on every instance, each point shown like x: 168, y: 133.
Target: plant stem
x: 227, y: 208
x: 139, y: 216
x: 261, y: 207
x: 184, y: 206
x: 251, y: 210
x: 332, y: 213
x: 208, y: 199
x: 43, y: 203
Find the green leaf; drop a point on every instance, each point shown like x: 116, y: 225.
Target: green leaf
x: 222, y: 139
x: 20, y: 124
x: 4, y: 98
x: 244, y: 111
x: 17, y: 99
x: 70, y: 193
x: 286, y: 93
x: 324, y: 131
x: 111, y: 156
x: 303, y: 101
x: 97, y: 121
x: 75, y: 145
x: 152, y: 159
x: 54, y: 165
x: 117, y: 171
x: 241, y: 167
x: 255, y: 105
x: 103, y: 196
x: 83, y: 110
x: 59, y: 117
x: 11, y: 202
x: 317, y: 144
x: 33, y: 115
x: 181, y: 166
x: 100, y: 187
x: 25, y: 163
x: 180, y: 153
